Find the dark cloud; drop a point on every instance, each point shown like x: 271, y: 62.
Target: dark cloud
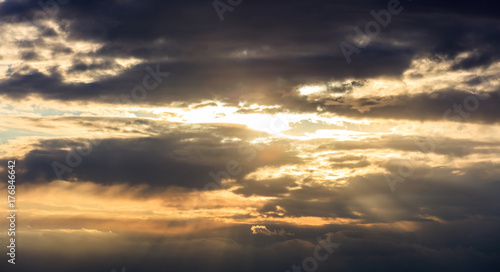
x: 444, y: 105
x: 29, y: 55
x: 178, y: 158
x: 273, y: 187
x: 80, y: 66
x: 299, y: 48
x: 438, y: 145
x: 60, y: 49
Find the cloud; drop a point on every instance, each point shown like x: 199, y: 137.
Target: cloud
x: 177, y: 158
x: 295, y: 51
x: 263, y: 230
x: 423, y: 94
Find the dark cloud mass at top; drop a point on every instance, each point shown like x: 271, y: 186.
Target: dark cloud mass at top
x: 286, y: 44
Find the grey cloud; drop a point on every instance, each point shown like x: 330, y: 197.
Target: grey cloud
x: 177, y: 158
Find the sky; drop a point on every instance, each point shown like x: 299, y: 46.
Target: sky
x: 238, y: 135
